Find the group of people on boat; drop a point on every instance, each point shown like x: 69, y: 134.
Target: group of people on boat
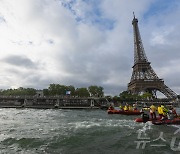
x: 126, y: 107
x: 164, y: 112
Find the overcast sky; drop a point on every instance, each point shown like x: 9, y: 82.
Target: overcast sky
x: 86, y: 42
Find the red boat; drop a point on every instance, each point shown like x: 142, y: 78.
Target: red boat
x: 145, y: 118
x: 175, y: 121
x: 141, y: 119
x: 134, y: 112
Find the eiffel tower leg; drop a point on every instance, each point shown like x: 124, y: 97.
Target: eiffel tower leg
x: 154, y: 93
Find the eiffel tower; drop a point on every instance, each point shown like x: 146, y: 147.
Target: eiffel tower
x: 143, y: 78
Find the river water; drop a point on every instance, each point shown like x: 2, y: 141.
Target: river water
x: 56, y: 131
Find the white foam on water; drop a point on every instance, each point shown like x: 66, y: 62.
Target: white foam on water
x: 104, y: 123
x: 121, y: 123
x: 3, y: 137
x: 83, y: 124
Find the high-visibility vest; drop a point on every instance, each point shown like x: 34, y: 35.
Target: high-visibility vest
x: 160, y: 110
x: 153, y: 108
x: 125, y: 108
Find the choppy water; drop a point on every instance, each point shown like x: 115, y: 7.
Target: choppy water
x: 26, y: 131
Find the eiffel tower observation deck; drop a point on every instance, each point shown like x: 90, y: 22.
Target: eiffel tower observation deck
x: 144, y: 78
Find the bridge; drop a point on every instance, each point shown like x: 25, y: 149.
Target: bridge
x: 64, y: 102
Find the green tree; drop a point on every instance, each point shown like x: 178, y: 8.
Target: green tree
x: 72, y: 89
x: 57, y: 89
x: 116, y: 99
x: 108, y: 98
x: 125, y: 95
x: 19, y: 92
x: 52, y: 89
x: 82, y: 92
x: 46, y: 92
x: 96, y: 91
x: 146, y: 95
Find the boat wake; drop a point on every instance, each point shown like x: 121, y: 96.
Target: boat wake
x: 103, y: 123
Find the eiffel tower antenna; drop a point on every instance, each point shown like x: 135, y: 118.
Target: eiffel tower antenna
x: 134, y: 15
x: 143, y: 78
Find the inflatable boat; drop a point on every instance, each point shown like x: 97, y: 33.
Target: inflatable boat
x: 134, y: 112
x: 145, y: 118
x: 175, y: 121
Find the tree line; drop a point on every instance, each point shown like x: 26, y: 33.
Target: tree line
x: 57, y: 89
x: 91, y: 91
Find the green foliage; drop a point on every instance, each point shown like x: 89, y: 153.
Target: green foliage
x: 116, y: 99
x: 82, y: 92
x: 147, y: 95
x: 18, y: 92
x: 126, y: 96
x: 108, y: 98
x: 72, y: 89
x: 46, y: 92
x: 57, y: 89
x: 96, y: 91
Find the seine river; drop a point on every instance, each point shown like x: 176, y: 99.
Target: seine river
x: 55, y: 131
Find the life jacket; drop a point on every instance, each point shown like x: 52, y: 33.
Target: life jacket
x: 125, y: 108
x: 165, y: 110
x: 153, y: 108
x: 130, y: 108
x: 121, y: 107
x: 160, y: 110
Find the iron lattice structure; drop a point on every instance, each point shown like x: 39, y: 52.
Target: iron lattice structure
x: 143, y: 78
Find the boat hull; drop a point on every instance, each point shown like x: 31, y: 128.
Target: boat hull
x: 124, y: 112
x: 141, y: 119
x: 175, y: 121
x: 159, y: 121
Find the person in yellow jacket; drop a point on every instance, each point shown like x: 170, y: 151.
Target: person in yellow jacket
x: 126, y: 108
x: 130, y: 108
x: 153, y: 111
x: 165, y: 110
x: 160, y: 111
x: 121, y: 107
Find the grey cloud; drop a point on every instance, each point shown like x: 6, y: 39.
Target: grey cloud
x: 20, y: 61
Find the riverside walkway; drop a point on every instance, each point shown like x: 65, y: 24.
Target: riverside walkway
x: 62, y: 102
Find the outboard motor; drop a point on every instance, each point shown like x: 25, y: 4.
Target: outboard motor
x: 145, y: 117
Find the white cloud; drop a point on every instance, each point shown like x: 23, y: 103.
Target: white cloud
x: 82, y: 42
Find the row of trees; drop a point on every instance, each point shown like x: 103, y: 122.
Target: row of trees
x: 126, y: 96
x: 57, y: 89
x: 93, y: 91
x: 18, y: 92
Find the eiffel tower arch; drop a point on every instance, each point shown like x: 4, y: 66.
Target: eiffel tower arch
x: 144, y: 78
